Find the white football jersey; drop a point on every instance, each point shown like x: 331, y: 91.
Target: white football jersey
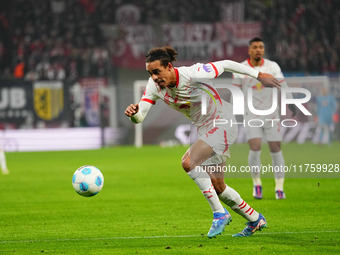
x: 186, y: 97
x: 262, y: 97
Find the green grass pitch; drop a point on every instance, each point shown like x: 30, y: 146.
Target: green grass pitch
x: 150, y: 206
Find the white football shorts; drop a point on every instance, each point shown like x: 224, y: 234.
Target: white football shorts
x: 219, y: 138
x: 268, y: 130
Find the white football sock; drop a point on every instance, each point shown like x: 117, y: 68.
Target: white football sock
x: 203, y: 181
x: 231, y: 198
x: 254, y: 161
x: 3, y: 160
x: 278, y: 164
x: 279, y: 183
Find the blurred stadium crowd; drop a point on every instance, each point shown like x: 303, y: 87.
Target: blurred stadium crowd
x: 62, y: 40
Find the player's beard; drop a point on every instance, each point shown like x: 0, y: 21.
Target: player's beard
x: 257, y: 58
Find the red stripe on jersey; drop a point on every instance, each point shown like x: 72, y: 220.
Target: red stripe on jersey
x: 148, y: 100
x: 225, y: 141
x: 262, y: 62
x: 177, y: 77
x: 238, y: 85
x: 215, y: 69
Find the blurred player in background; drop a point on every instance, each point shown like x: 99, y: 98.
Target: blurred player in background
x: 3, y: 164
x: 180, y: 90
x: 326, y: 108
x: 270, y: 131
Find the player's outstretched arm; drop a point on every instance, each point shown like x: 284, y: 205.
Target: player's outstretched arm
x: 268, y: 80
x: 131, y: 110
x: 234, y: 67
x: 137, y: 112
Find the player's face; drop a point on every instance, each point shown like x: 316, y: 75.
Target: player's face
x: 256, y: 50
x: 163, y: 76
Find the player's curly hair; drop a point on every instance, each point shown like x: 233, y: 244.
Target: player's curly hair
x: 165, y: 55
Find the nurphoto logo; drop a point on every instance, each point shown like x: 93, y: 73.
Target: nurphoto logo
x: 238, y: 102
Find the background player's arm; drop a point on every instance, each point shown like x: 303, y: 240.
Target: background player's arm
x: 279, y: 76
x: 277, y: 73
x: 138, y: 112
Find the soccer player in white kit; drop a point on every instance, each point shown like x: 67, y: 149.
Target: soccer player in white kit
x: 270, y: 130
x: 3, y: 164
x: 181, y: 88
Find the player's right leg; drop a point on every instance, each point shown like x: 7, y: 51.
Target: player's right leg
x: 191, y: 162
x: 278, y: 163
x: 217, y: 178
x: 254, y: 162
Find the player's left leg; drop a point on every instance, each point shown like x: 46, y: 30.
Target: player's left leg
x: 278, y: 163
x: 233, y: 199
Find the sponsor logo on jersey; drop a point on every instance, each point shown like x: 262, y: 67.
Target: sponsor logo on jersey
x: 258, y: 86
x: 207, y: 68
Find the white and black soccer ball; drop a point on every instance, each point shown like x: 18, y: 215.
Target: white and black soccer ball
x: 87, y: 181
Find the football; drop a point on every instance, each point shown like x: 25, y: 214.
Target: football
x: 87, y: 181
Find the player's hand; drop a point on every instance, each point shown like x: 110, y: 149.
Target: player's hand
x: 268, y: 80
x: 292, y: 108
x: 131, y: 110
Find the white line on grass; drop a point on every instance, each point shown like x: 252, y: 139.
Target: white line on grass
x: 155, y: 237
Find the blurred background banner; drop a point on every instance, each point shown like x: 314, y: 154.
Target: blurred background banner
x: 16, y: 104
x: 89, y: 99
x: 195, y: 42
x: 27, y: 105
x: 48, y: 99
